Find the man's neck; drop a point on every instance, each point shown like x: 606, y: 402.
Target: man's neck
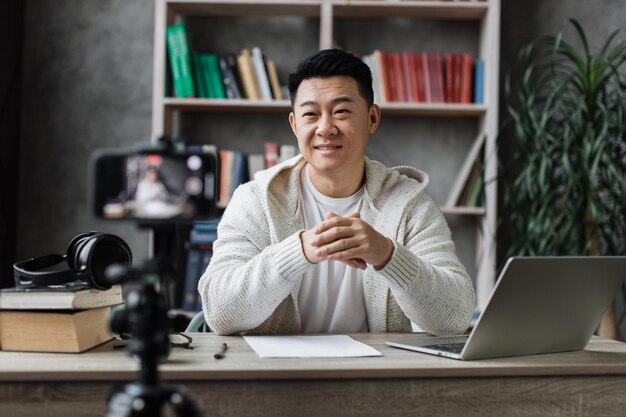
x: 338, y: 184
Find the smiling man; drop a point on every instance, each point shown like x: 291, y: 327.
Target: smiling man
x: 331, y: 241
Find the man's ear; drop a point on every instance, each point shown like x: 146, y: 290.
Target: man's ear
x: 374, y: 118
x: 292, y: 122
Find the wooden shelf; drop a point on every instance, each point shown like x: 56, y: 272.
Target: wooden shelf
x: 244, y: 7
x: 409, y: 109
x: 426, y: 9
x: 464, y: 211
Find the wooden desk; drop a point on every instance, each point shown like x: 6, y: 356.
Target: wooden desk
x: 400, y: 383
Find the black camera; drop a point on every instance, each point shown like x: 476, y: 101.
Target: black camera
x: 155, y: 184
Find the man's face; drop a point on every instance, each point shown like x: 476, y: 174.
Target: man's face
x: 332, y: 122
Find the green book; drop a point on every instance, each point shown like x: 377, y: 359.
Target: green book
x: 174, y: 58
x: 215, y: 75
x: 198, y: 75
x: 181, y: 57
x: 206, y: 77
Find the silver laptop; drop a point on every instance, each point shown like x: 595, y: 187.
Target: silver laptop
x: 539, y: 305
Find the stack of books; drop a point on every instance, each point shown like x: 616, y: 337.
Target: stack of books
x: 67, y: 320
x: 236, y: 167
x: 426, y: 77
x: 199, y: 253
x: 248, y: 74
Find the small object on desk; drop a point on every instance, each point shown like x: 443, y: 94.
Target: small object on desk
x: 222, y: 352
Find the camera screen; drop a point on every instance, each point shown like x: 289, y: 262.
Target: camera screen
x: 154, y: 186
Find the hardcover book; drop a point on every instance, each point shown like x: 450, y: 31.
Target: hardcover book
x: 58, y: 298
x: 54, y: 331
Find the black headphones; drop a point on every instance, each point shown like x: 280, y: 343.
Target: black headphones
x: 88, y: 256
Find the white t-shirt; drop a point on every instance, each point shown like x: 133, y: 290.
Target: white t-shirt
x: 331, y: 298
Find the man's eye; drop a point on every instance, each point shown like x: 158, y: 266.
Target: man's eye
x: 308, y: 114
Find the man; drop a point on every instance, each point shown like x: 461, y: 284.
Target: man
x: 331, y: 241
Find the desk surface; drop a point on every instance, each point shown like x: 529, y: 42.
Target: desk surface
x: 104, y: 363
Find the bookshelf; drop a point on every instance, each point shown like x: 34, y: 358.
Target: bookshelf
x: 290, y: 30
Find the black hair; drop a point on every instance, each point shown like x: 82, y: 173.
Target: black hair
x: 331, y: 62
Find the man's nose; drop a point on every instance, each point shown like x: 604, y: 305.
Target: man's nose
x: 326, y: 126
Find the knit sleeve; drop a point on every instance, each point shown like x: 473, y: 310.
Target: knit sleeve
x: 248, y: 276
x: 427, y: 280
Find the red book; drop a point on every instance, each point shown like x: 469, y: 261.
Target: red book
x: 419, y: 77
x: 458, y: 64
x: 398, y: 77
x: 271, y: 154
x: 406, y: 72
x: 466, y: 78
x: 449, y: 80
x: 426, y: 73
x: 413, y: 77
x: 436, y: 87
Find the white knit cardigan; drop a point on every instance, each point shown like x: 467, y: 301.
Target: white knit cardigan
x: 252, y: 283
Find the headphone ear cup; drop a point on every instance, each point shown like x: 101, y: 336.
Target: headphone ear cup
x: 72, y: 247
x: 94, y: 253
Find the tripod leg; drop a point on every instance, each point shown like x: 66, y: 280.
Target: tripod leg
x: 183, y: 403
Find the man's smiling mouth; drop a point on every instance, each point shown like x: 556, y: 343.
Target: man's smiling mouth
x: 327, y: 147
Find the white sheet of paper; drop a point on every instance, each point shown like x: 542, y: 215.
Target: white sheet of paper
x: 326, y: 346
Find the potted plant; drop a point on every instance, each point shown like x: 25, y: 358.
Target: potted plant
x: 564, y: 187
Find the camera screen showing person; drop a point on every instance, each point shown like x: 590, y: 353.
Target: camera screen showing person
x: 154, y: 186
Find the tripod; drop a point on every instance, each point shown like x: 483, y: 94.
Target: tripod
x: 145, y: 319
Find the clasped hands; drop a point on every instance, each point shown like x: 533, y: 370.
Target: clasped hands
x: 347, y: 239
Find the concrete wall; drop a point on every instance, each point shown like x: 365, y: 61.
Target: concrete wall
x: 87, y: 82
x: 87, y: 74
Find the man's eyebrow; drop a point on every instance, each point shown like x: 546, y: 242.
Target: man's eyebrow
x: 340, y: 99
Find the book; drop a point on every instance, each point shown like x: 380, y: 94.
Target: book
x: 192, y: 275
x: 273, y: 76
x: 479, y: 80
x: 466, y: 169
x: 198, y: 73
x: 271, y: 154
x: 261, y: 74
x: 180, y: 60
x: 207, y: 254
x: 246, y: 73
x: 287, y: 152
x: 227, y: 160
x: 212, y: 67
x: 240, y: 170
x: 63, y: 331
x: 231, y: 85
x: 256, y: 163
x: 467, y: 62
x: 58, y: 298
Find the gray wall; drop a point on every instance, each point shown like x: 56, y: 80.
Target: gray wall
x: 87, y: 84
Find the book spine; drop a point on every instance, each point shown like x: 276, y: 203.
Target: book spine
x: 425, y: 57
x: 198, y: 75
x: 190, y: 289
x: 226, y: 177
x: 273, y: 75
x: 479, y: 81
x: 207, y: 254
x: 239, y: 169
x: 186, y: 75
x: 256, y: 163
x: 246, y: 72
x: 230, y: 84
x: 174, y: 57
x: 261, y: 74
x: 215, y: 76
x: 271, y: 153
x: 466, y: 79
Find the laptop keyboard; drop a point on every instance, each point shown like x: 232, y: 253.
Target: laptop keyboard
x: 454, y: 344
